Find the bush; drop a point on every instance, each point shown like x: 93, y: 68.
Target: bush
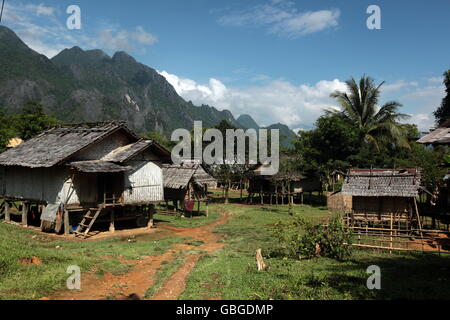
x: 302, y: 239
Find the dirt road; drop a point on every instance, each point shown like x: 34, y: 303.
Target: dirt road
x: 135, y: 283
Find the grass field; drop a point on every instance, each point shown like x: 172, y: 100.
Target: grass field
x: 22, y: 281
x: 230, y: 272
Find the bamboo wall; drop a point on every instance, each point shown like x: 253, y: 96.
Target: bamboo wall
x: 144, y: 184
x: 339, y: 202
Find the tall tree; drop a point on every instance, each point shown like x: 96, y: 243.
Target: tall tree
x: 360, y: 108
x: 32, y: 119
x: 7, y: 131
x: 443, y: 112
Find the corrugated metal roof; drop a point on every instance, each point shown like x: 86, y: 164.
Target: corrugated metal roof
x: 382, y: 183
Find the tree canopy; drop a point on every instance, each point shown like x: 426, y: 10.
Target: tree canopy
x: 28, y: 122
x: 359, y: 107
x: 443, y: 112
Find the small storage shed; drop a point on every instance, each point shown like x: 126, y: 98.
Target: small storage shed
x: 85, y: 171
x: 383, y: 195
x: 187, y: 181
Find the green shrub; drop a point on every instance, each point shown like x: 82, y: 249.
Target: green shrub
x: 302, y: 239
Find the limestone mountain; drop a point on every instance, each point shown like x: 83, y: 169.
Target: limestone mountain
x: 78, y: 85
x: 247, y: 122
x: 286, y: 134
x: 88, y: 85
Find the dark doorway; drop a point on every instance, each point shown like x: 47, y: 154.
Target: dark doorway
x: 110, y: 187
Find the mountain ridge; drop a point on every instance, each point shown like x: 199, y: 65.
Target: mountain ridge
x: 89, y: 85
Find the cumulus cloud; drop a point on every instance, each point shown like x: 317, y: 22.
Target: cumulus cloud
x: 298, y: 106
x: 275, y: 101
x: 282, y: 18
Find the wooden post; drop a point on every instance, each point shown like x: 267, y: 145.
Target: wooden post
x: 240, y: 187
x: 391, y: 227
x: 206, y: 209
x: 111, y: 223
x: 261, y: 193
x: 7, y: 214
x: 24, y: 214
x: 66, y: 222
x: 260, y: 261
x: 182, y: 208
x: 151, y: 213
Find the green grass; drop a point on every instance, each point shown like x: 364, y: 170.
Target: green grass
x: 190, y: 222
x: 230, y: 273
x: 18, y: 281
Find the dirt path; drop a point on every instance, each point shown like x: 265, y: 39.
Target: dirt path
x: 176, y: 283
x: 135, y: 283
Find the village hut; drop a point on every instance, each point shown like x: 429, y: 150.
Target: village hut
x: 280, y: 186
x: 440, y: 196
x: 439, y: 136
x: 78, y: 174
x: 383, y: 197
x: 186, y: 183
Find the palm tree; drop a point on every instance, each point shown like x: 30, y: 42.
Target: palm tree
x: 360, y: 107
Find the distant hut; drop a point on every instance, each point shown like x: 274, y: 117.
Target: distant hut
x: 383, y: 197
x: 280, y: 186
x: 188, y: 181
x: 438, y: 136
x: 83, y: 173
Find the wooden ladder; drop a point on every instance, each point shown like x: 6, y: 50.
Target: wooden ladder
x: 88, y: 221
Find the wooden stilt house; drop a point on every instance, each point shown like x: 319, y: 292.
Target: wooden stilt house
x: 280, y: 187
x: 383, y: 198
x: 78, y: 174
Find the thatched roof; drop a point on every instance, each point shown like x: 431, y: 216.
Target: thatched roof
x: 179, y: 176
x: 440, y: 135
x: 57, y: 144
x: 98, y: 166
x: 382, y: 183
x: 280, y: 176
x: 124, y: 153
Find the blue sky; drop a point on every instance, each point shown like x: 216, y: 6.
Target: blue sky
x: 277, y: 60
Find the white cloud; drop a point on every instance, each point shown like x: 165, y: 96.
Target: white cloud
x: 42, y: 10
x: 435, y: 80
x: 123, y: 40
x: 424, y: 121
x: 282, y: 18
x: 299, y: 106
x: 275, y: 101
x: 398, y: 85
x: 45, y: 32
